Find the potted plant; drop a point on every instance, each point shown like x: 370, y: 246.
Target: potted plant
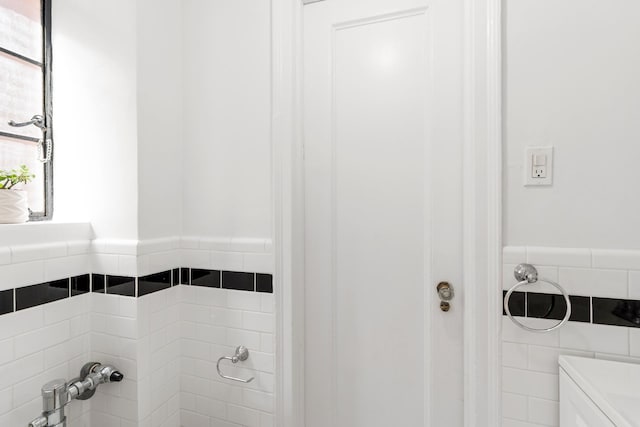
x: 14, y: 208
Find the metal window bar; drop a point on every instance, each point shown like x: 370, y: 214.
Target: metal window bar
x: 45, y: 15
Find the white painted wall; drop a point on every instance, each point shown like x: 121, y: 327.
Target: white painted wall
x: 94, y: 75
x: 173, y: 116
x: 571, y: 81
x: 227, y: 166
x: 159, y: 86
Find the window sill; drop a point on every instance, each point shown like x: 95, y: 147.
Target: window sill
x: 37, y: 232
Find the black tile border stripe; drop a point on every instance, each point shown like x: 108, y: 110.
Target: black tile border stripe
x: 15, y: 299
x: 585, y: 309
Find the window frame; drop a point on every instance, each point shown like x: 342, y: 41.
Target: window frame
x: 47, y: 108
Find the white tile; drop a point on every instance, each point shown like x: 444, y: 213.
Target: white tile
x: 267, y: 420
x: 115, y: 246
x: 245, y: 416
x: 268, y: 303
x: 225, y: 317
x: 514, y: 254
x: 104, y: 263
x: 258, y: 400
x: 260, y: 361
x: 161, y: 261
x: 594, y: 282
x: 66, y: 350
x: 195, y: 313
x: 545, y: 412
x: 634, y: 342
x: 105, y: 304
x: 21, y: 322
x: 193, y: 419
x: 6, y: 400
x: 507, y: 422
x: 211, y: 334
x: 596, y: 338
x: 247, y: 244
x: 508, y: 279
x: 259, y: 263
x: 634, y: 284
x: 197, y: 349
x: 566, y: 257
x: 195, y: 258
x: 24, y: 391
x: 536, y: 384
x: 230, y: 261
x: 26, y: 367
x: 162, y: 244
x: 514, y: 355
x: 127, y: 265
x: 188, y: 242
x: 236, y: 337
x: 512, y: 333
x: 78, y: 247
x: 243, y: 300
x: 261, y: 322
x: 66, y: 309
x: 128, y: 307
x: 22, y: 274
x: 222, y: 244
x: 6, y: 351
x: 515, y: 406
x: 545, y: 359
x: 125, y: 408
x: 616, y: 259
x: 267, y: 343
x: 210, y: 407
x: 5, y: 255
x: 59, y: 268
x: 26, y: 253
x: 40, y: 339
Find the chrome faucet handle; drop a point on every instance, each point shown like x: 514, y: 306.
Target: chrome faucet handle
x: 54, y: 395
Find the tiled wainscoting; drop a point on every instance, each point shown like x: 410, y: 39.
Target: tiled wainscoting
x: 37, y: 345
x: 165, y: 338
x: 605, y: 285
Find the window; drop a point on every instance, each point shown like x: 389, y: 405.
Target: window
x: 25, y: 97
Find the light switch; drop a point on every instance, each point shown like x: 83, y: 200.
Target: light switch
x: 539, y: 160
x: 538, y: 168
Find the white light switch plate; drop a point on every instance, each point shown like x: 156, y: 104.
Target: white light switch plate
x: 538, y: 166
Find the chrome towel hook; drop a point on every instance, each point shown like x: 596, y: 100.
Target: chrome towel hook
x: 242, y: 354
x: 527, y: 274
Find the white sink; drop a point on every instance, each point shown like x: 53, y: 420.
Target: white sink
x: 613, y: 387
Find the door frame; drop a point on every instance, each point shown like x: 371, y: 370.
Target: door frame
x: 482, y: 218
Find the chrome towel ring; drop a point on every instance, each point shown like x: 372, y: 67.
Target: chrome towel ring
x: 527, y: 274
x: 241, y: 354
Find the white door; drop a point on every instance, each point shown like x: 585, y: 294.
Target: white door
x: 383, y: 180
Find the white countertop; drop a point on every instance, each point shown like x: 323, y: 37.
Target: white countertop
x: 613, y: 386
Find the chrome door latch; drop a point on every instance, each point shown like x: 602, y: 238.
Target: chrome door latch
x: 446, y: 294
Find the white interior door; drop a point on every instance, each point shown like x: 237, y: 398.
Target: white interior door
x: 383, y: 184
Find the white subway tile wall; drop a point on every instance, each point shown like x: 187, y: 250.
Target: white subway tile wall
x: 38, y: 345
x: 530, y: 360
x: 144, y: 337
x: 213, y: 323
x: 30, y: 264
